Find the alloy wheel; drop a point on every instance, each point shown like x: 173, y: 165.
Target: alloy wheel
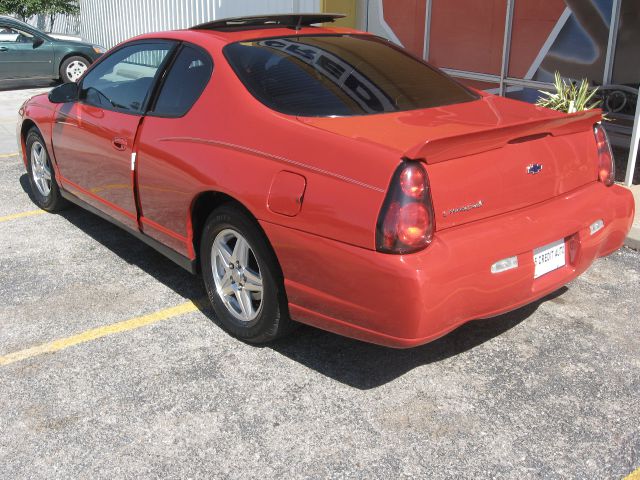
x: 237, y: 275
x: 41, y: 168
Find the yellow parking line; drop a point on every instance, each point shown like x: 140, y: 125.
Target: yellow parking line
x: 99, y: 332
x: 633, y: 475
x: 7, y: 155
x: 29, y: 213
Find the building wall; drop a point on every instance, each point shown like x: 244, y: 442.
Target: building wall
x: 109, y: 22
x: 62, y: 24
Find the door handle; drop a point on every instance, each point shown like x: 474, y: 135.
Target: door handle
x: 3, y: 49
x: 119, y: 143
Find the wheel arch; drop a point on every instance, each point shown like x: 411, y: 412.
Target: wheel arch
x: 201, y: 207
x: 27, y: 125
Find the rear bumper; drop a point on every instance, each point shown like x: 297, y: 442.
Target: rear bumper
x: 408, y: 300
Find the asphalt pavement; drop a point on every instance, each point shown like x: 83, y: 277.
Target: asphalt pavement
x: 111, y: 367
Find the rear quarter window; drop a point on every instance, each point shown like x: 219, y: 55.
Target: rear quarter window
x: 341, y: 75
x: 184, y: 83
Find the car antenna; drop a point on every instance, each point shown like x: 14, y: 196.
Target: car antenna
x: 299, y: 24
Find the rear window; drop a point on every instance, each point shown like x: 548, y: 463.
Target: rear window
x: 340, y: 75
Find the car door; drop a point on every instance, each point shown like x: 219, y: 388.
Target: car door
x: 165, y: 186
x: 94, y: 138
x: 24, y: 54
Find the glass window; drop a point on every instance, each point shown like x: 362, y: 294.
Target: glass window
x: 529, y: 95
x: 489, y: 87
x: 123, y: 80
x: 184, y: 83
x: 559, y: 35
x: 339, y: 75
x: 626, y: 68
x: 11, y: 35
x: 468, y: 34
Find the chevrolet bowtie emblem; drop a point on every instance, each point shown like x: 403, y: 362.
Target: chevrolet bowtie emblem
x: 534, y: 168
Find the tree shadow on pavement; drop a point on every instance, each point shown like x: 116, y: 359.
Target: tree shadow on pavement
x: 351, y: 362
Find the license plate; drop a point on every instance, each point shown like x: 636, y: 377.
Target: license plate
x: 549, y: 258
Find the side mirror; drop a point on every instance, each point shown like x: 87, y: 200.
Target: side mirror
x: 67, y: 92
x: 37, y: 41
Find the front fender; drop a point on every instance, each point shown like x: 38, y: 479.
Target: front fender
x: 38, y: 112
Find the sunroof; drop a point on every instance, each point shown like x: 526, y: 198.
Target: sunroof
x: 292, y: 20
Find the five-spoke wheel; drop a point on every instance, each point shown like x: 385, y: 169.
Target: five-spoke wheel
x: 40, y: 168
x: 237, y: 275
x: 42, y: 176
x: 242, y: 276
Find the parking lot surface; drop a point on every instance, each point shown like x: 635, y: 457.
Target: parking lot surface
x: 111, y: 367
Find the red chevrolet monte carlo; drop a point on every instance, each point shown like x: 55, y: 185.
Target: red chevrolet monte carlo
x: 327, y: 176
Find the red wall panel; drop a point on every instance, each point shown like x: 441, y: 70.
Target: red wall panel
x: 407, y: 18
x: 533, y: 21
x: 468, y: 34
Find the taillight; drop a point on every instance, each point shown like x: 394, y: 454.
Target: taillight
x: 606, y: 165
x: 406, y: 221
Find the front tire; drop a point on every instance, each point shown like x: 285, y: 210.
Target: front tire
x: 242, y: 277
x: 42, y: 177
x: 72, y: 68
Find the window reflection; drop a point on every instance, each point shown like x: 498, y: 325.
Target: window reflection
x: 339, y: 75
x: 569, y: 36
x: 626, y: 68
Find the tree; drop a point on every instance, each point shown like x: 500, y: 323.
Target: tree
x: 24, y: 9
x: 59, y: 7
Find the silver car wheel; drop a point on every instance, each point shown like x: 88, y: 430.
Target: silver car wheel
x: 41, y: 168
x: 75, y: 70
x: 237, y: 275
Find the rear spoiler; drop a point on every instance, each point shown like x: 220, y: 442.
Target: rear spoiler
x: 456, y: 146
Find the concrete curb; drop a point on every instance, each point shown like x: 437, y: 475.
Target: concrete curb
x: 633, y: 240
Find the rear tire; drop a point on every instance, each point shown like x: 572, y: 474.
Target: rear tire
x: 242, y: 277
x: 42, y: 176
x: 72, y: 68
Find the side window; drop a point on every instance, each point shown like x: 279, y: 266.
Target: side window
x: 184, y: 83
x: 11, y: 35
x: 123, y: 80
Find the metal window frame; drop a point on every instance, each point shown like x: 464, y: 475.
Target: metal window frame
x: 506, y: 44
x: 611, y: 44
x: 427, y: 29
x: 504, y: 81
x: 633, y: 148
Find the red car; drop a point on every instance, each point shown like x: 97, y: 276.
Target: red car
x: 327, y: 176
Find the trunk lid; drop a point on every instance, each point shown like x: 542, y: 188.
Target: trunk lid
x: 487, y: 157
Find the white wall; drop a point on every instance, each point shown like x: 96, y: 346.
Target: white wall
x: 376, y: 23
x: 108, y: 22
x: 240, y: 8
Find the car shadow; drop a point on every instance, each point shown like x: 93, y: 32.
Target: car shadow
x: 365, y: 366
x: 357, y: 364
x: 132, y: 250
x: 6, y: 85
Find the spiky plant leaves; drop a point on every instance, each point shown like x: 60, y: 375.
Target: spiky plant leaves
x: 569, y: 97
